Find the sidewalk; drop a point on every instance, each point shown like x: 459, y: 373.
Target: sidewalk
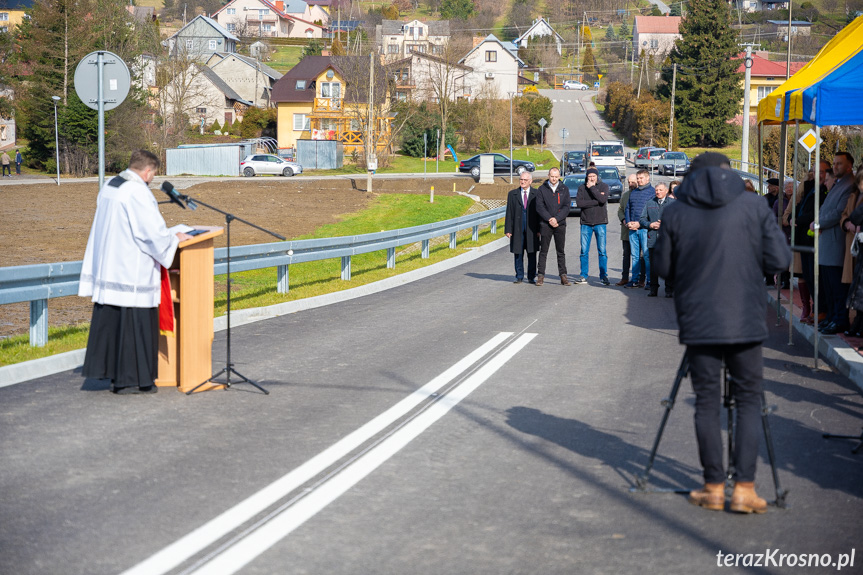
x: 840, y: 351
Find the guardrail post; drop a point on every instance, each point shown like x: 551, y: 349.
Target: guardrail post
x: 38, y: 322
x: 425, y: 249
x: 346, y: 268
x: 391, y: 258
x: 282, y: 275
x: 493, y: 227
x: 452, y: 241
x: 475, y: 235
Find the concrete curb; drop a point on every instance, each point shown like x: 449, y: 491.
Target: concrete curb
x: 833, y: 349
x: 25, y: 371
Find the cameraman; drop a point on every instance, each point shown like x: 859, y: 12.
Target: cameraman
x: 717, y: 244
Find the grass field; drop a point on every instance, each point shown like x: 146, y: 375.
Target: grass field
x: 258, y: 288
x: 283, y: 58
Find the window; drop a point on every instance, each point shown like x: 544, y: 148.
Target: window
x: 392, y: 49
x: 190, y: 44
x: 268, y: 27
x: 4, y: 16
x: 4, y: 29
x: 212, y: 44
x: 763, y: 91
x: 301, y: 84
x: 491, y: 56
x: 232, y: 11
x: 202, y: 111
x: 232, y: 27
x: 401, y: 96
x: 437, y: 49
x: 263, y: 12
x: 355, y: 125
x: 301, y: 123
x: 654, y: 44
x: 331, y: 90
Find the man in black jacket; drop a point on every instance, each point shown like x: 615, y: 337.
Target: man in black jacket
x: 651, y: 220
x: 592, y: 198
x: 521, y: 226
x: 552, y: 205
x: 717, y: 243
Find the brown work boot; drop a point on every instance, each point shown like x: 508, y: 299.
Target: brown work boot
x: 622, y: 282
x: 539, y: 279
x: 564, y: 280
x: 711, y: 496
x: 745, y: 500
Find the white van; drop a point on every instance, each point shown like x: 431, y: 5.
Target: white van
x: 607, y: 153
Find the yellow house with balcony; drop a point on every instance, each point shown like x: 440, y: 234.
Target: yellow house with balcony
x: 315, y: 102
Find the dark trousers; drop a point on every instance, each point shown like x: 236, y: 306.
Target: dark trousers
x: 7, y: 168
x: 546, y: 232
x: 627, y: 259
x: 654, y: 278
x: 836, y: 293
x: 807, y: 264
x: 745, y: 366
x: 531, y: 262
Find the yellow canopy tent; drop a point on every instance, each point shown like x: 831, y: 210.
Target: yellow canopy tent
x: 781, y: 104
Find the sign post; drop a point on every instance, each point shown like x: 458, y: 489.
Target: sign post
x: 542, y: 124
x: 564, y: 133
x: 109, y: 75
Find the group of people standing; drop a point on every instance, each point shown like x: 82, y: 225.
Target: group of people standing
x: 535, y: 216
x: 6, y: 162
x: 840, y: 217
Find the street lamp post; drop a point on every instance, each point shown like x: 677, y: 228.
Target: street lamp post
x: 56, y: 137
x: 510, y: 137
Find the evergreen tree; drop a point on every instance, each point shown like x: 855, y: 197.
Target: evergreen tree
x: 588, y: 65
x: 609, y: 33
x: 623, y: 31
x: 457, y: 9
x: 709, y: 88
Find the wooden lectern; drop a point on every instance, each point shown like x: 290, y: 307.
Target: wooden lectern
x: 186, y: 357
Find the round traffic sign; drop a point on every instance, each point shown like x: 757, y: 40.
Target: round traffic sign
x: 115, y: 80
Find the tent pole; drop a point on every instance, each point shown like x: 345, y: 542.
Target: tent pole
x: 783, y: 169
x: 793, y: 236
x: 817, y: 235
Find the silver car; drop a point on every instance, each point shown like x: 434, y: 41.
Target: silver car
x: 268, y: 164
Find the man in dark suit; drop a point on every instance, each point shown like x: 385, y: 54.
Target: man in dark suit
x: 522, y: 227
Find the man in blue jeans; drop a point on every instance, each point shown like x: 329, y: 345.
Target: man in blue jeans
x: 592, y: 198
x: 638, y: 235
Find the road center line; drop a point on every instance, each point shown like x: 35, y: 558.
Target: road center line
x: 207, y: 534
x: 246, y: 550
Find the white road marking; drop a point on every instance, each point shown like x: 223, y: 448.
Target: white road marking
x: 207, y: 534
x: 246, y: 550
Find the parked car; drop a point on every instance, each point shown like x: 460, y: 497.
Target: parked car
x: 572, y: 161
x: 573, y: 181
x: 268, y: 164
x: 501, y: 165
x: 648, y: 157
x: 573, y: 85
x: 611, y: 176
x: 674, y: 163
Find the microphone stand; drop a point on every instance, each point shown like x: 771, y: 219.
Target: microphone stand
x: 229, y: 366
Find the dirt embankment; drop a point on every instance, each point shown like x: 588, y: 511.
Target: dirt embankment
x: 48, y: 223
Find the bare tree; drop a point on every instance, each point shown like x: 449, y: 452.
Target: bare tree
x: 182, y: 91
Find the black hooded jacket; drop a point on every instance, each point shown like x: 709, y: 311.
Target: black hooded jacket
x: 718, y: 241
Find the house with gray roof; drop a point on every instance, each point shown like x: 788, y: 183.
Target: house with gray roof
x: 250, y: 79
x: 200, y: 39
x: 202, y: 96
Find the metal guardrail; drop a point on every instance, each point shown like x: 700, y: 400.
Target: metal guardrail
x: 40, y: 282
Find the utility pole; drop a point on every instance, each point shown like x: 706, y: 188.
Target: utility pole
x: 671, y: 121
x: 747, y: 81
x: 371, y: 160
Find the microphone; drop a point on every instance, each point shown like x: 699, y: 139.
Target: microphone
x: 173, y: 194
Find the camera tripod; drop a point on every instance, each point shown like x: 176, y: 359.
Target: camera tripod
x: 729, y: 403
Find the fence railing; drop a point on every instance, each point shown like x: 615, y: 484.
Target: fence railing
x: 40, y: 282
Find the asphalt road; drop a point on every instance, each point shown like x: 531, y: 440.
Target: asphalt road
x: 458, y: 424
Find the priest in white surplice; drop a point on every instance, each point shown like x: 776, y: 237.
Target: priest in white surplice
x: 128, y: 245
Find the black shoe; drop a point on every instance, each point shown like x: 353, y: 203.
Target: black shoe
x: 518, y: 281
x: 148, y: 389
x: 669, y: 294
x: 833, y: 328
x: 652, y: 294
x: 604, y: 281
x: 823, y: 323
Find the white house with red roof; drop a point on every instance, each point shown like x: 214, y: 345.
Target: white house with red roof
x: 655, y: 35
x: 276, y: 19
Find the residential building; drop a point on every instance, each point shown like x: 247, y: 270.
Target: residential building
x: 277, y: 19
x: 494, y: 68
x: 200, y: 39
x: 798, y: 28
x: 204, y: 97
x: 313, y: 101
x: 539, y: 29
x: 765, y: 76
x: 655, y: 35
x: 252, y: 80
x: 423, y: 77
x: 397, y: 39
x: 12, y: 14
